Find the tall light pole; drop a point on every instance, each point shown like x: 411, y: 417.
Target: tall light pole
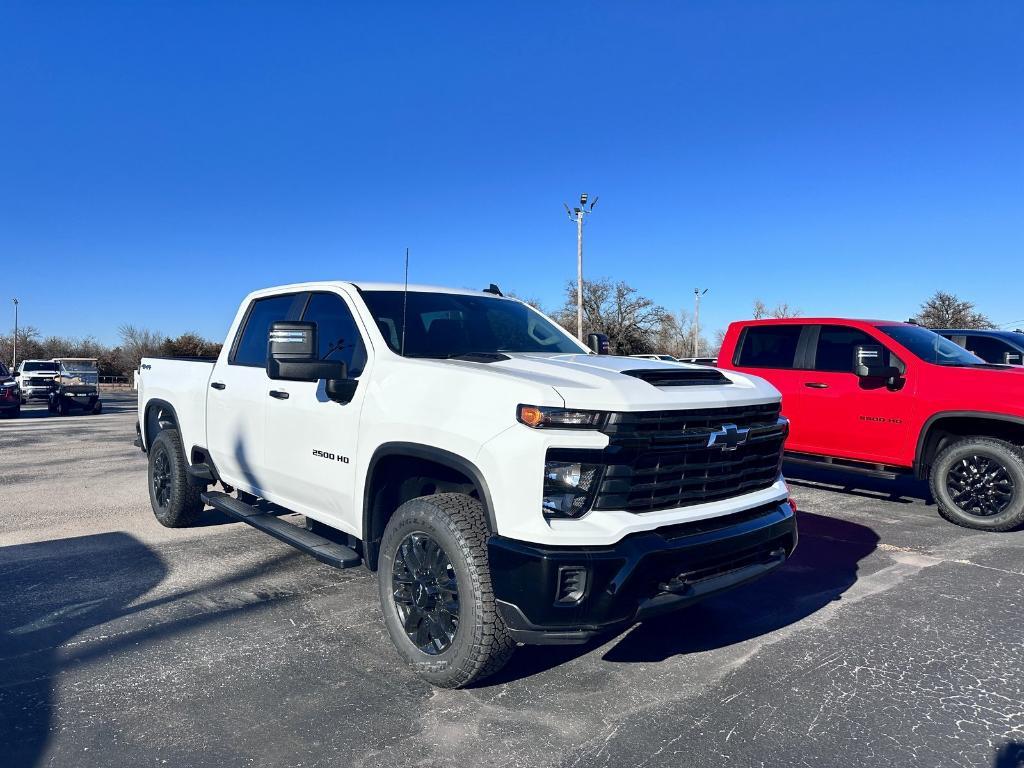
x: 14, y: 363
x: 576, y: 215
x: 697, y: 293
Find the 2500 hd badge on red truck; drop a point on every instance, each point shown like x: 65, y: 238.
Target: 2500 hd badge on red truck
x: 507, y: 485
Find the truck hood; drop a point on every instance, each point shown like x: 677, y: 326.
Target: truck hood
x: 599, y: 382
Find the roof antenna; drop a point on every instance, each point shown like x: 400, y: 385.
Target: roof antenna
x: 405, y: 300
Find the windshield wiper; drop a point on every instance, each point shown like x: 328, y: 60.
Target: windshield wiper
x: 476, y: 357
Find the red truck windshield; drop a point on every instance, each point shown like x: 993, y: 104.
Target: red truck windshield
x: 929, y: 346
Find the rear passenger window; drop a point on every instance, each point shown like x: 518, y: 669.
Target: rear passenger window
x: 769, y: 346
x: 835, y: 348
x: 251, y: 348
x: 336, y: 331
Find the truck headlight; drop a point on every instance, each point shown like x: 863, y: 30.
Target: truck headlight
x: 539, y: 417
x: 569, y: 487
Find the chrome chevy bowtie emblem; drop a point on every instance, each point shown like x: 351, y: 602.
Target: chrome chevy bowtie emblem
x: 729, y: 437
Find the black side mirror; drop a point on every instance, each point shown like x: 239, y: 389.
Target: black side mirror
x: 292, y: 354
x: 598, y: 343
x: 869, y: 362
x: 16, y: 374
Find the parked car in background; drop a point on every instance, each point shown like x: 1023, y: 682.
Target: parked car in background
x: 77, y: 386
x: 508, y: 485
x: 37, y: 378
x: 712, y: 361
x: 992, y: 346
x: 10, y: 393
x: 882, y: 398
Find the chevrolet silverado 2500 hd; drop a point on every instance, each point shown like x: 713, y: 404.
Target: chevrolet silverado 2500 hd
x: 883, y: 398
x: 507, y: 485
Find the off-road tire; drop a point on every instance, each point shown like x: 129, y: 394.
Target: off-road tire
x: 1007, y: 454
x: 51, y: 405
x: 183, y: 503
x: 98, y: 408
x: 481, y: 645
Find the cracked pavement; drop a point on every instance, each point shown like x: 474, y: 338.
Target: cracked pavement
x: 891, y: 638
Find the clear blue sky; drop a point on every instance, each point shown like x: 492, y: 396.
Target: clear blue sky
x: 159, y: 160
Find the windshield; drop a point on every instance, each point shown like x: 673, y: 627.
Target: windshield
x: 3, y: 371
x: 40, y: 366
x: 929, y: 346
x: 450, y: 325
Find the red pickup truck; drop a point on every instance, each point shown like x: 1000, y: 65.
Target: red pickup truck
x: 884, y: 398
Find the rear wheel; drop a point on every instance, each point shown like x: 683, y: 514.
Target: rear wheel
x: 435, y: 591
x: 175, y: 501
x: 978, y: 482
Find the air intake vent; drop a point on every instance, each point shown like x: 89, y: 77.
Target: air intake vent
x: 683, y: 377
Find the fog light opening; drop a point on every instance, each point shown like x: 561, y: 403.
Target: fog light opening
x: 572, y: 584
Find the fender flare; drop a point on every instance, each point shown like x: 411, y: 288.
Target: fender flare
x: 147, y: 435
x: 429, y: 453
x: 935, y: 417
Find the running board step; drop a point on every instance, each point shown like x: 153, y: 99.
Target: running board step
x: 882, y: 471
x: 323, y: 549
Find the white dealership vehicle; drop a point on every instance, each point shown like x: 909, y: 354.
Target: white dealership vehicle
x: 37, y: 379
x: 507, y: 485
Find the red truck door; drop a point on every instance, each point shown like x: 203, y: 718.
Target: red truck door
x: 845, y: 415
x: 772, y: 351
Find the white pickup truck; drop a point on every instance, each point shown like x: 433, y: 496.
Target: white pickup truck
x: 507, y: 484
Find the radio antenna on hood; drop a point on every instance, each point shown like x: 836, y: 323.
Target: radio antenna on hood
x: 405, y: 301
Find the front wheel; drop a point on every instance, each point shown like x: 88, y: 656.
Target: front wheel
x: 435, y: 591
x: 978, y: 482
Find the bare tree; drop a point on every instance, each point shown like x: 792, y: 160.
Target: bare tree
x: 779, y: 311
x: 675, y: 337
x: 947, y: 310
x: 630, y: 321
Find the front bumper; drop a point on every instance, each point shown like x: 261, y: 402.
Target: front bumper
x: 643, y: 575
x: 36, y: 393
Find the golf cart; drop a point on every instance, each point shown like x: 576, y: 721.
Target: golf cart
x: 78, y: 386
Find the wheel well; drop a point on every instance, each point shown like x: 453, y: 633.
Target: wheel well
x: 159, y: 416
x: 944, y: 430
x: 395, y: 479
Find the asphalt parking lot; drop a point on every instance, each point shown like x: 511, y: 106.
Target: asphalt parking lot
x: 891, y: 638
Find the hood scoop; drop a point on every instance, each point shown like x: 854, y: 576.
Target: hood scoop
x: 683, y: 377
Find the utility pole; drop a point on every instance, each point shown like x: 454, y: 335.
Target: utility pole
x: 14, y: 363
x: 697, y: 293
x: 576, y: 215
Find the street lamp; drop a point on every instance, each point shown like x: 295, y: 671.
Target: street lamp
x: 14, y: 363
x: 576, y: 215
x: 697, y: 293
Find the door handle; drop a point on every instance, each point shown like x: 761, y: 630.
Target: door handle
x: 218, y: 385
x: 278, y: 394
x: 816, y: 384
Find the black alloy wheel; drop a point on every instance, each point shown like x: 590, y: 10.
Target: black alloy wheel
x: 980, y: 485
x: 426, y: 593
x: 161, y: 477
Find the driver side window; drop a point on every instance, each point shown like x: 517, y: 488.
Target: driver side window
x: 834, y: 352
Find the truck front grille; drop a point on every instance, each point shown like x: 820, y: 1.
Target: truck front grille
x: 661, y: 459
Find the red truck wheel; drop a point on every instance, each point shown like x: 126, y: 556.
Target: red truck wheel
x: 978, y: 482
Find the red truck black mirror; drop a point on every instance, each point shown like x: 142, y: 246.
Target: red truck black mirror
x: 869, y: 362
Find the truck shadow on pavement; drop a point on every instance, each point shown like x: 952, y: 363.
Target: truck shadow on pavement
x: 824, y: 566
x: 55, y: 592
x: 43, y: 608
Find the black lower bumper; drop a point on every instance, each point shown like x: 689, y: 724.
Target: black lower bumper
x: 540, y: 596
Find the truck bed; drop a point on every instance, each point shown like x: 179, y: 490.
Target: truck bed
x: 179, y: 383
